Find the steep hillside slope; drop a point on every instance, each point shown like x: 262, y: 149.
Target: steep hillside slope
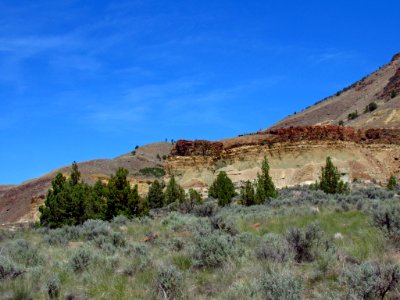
x: 19, y: 203
x: 381, y: 87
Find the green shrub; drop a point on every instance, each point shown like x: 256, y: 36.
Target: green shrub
x: 155, y: 196
x: 8, y: 268
x: 353, y: 115
x: 372, y: 280
x: 392, y: 183
x: 174, y: 192
x: 247, y: 194
x: 120, y: 220
x: 225, y: 225
x: 222, y: 189
x: 265, y: 188
x: 330, y: 181
x: 207, y: 209
x: 55, y: 238
x: 94, y: 228
x: 195, y: 197
x: 211, y: 250
x: 110, y: 244
x: 24, y: 253
x: 307, y: 244
x: 53, y: 287
x: 370, y: 107
x: 81, y: 259
x: 273, y: 248
x: 176, y: 244
x: 281, y: 285
x: 152, y: 172
x: 169, y: 282
x: 388, y: 220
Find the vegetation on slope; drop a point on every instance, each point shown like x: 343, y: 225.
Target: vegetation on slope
x: 303, y: 244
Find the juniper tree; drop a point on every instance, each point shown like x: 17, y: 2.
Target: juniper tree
x: 247, y: 194
x: 265, y: 188
x: 222, y: 189
x: 155, y: 196
x: 121, y: 198
x: 75, y: 174
x: 174, y: 192
x: 330, y: 181
x: 195, y: 197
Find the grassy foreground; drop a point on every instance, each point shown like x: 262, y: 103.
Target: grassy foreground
x: 305, y: 244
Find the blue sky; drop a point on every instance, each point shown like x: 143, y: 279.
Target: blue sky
x: 81, y: 80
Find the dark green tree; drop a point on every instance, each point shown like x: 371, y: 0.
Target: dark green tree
x: 392, y: 183
x: 370, y: 107
x: 121, y: 198
x: 68, y: 202
x: 155, y: 196
x: 174, y: 192
x: 247, y: 194
x: 195, y: 197
x: 330, y: 181
x: 72, y: 202
x: 75, y: 176
x: 54, y: 211
x: 222, y: 189
x: 265, y: 188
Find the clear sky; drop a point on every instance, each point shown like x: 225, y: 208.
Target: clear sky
x: 81, y: 80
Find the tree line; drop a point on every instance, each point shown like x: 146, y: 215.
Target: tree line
x: 70, y: 201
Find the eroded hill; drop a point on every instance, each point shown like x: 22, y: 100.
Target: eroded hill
x: 381, y: 87
x: 296, y: 155
x: 19, y: 203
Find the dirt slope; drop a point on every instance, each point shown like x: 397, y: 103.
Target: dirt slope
x: 19, y: 203
x: 381, y: 87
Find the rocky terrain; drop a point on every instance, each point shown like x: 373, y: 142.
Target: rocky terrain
x: 381, y: 87
x: 296, y: 155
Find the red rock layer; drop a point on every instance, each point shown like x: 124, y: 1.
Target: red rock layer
x: 290, y: 134
x: 197, y: 148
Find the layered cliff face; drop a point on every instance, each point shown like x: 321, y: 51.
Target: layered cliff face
x: 296, y: 156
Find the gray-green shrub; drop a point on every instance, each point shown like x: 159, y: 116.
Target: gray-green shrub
x: 169, y: 282
x: 307, y: 243
x: 212, y: 250
x: 24, y: 253
x: 8, y: 268
x: 388, y: 220
x: 372, y: 280
x: 53, y: 286
x: 281, y: 285
x: 81, y: 259
x: 274, y: 248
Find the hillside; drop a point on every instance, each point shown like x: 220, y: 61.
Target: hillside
x: 381, y: 87
x: 365, y: 148
x: 19, y: 203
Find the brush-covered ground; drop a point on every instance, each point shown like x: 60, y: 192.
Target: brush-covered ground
x: 304, y: 244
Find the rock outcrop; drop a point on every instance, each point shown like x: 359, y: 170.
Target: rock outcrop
x: 296, y: 156
x: 197, y: 147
